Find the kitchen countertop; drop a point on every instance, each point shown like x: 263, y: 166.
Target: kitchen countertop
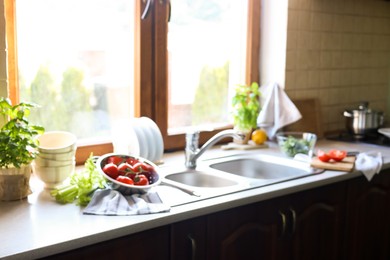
x: 38, y: 226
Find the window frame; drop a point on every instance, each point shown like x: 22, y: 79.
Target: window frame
x: 151, y: 65
x: 160, y: 89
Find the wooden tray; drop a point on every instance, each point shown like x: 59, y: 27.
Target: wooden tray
x: 249, y: 146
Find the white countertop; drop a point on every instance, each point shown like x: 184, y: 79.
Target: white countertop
x: 38, y: 226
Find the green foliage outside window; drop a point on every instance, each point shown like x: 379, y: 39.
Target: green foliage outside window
x: 211, y: 98
x: 62, y: 104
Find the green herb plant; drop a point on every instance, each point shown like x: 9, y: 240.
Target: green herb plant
x: 18, y: 138
x: 246, y: 106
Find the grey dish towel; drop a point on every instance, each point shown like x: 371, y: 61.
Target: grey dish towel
x: 112, y: 203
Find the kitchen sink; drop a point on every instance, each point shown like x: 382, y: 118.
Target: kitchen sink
x: 260, y: 169
x: 200, y: 179
x: 221, y: 176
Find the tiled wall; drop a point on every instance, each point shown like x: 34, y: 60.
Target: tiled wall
x: 339, y: 52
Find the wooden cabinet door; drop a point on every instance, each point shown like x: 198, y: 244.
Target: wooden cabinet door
x: 188, y: 239
x: 368, y: 219
x: 147, y: 245
x: 318, y: 222
x: 247, y: 232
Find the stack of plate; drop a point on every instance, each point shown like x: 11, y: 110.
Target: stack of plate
x: 139, y: 137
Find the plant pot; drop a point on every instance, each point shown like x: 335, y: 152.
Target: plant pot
x: 15, y: 183
x: 247, y: 133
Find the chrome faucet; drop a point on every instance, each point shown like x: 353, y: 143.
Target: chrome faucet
x: 192, y: 150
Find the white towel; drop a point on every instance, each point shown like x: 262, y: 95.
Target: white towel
x: 277, y: 110
x: 113, y: 203
x: 369, y: 164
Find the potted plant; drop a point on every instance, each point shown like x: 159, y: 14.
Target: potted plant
x: 246, y: 108
x: 18, y: 146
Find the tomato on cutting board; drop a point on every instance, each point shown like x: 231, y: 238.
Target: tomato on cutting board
x: 323, y: 156
x: 337, y: 155
x: 334, y: 154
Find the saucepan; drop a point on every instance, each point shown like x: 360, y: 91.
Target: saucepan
x: 363, y: 120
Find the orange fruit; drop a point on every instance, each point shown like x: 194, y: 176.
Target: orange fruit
x: 259, y: 136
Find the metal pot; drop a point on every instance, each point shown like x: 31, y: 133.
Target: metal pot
x: 363, y: 120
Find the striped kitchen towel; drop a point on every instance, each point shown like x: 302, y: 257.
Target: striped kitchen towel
x: 112, y: 203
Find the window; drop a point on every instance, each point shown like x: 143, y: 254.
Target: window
x: 75, y: 59
x: 127, y: 57
x: 160, y: 86
x: 206, y: 59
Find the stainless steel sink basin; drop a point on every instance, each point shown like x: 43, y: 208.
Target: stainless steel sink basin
x: 200, y: 179
x: 221, y: 176
x: 258, y: 169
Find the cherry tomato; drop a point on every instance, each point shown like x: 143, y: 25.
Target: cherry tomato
x: 324, y: 157
x: 125, y: 168
x: 337, y: 155
x: 115, y: 160
x: 142, y: 167
x: 111, y: 170
x: 131, y: 161
x: 125, y: 179
x: 141, y: 179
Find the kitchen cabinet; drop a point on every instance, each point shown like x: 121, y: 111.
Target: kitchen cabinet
x: 150, y: 244
x: 368, y: 218
x: 246, y: 232
x: 306, y: 225
x: 344, y: 220
x: 318, y: 222
x: 188, y: 239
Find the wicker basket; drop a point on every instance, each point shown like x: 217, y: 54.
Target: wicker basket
x: 15, y: 183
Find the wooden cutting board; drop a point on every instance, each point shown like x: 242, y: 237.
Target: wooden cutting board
x: 347, y: 164
x: 310, y: 110
x: 249, y: 146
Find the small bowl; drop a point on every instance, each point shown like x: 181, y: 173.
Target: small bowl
x: 127, y: 189
x: 292, y: 143
x: 57, y: 156
x: 40, y: 161
x: 57, y: 142
x: 53, y: 176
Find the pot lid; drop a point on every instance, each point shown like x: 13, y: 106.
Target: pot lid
x: 362, y: 108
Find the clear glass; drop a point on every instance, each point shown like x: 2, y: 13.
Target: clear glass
x: 206, y: 52
x: 76, y: 60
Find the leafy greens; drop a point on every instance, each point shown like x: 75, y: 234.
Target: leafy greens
x: 81, y: 186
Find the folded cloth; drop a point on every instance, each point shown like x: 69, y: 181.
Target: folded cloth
x: 277, y: 110
x: 369, y: 163
x: 113, y: 203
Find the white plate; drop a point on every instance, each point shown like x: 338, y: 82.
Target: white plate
x: 384, y: 131
x: 152, y: 149
x: 125, y: 139
x: 148, y: 139
x: 142, y: 141
x: 158, y: 142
